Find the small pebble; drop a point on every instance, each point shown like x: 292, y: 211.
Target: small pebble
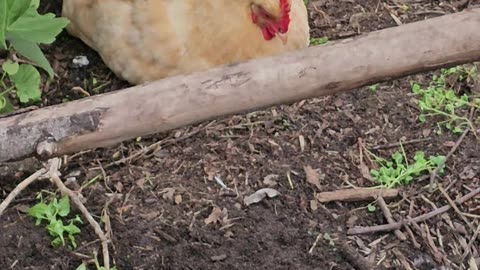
x: 80, y: 61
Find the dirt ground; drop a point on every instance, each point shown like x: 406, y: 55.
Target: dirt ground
x: 160, y: 202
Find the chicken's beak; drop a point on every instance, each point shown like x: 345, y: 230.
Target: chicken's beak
x: 283, y: 37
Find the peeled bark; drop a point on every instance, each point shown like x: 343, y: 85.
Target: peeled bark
x: 107, y: 119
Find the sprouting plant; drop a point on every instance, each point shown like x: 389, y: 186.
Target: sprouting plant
x: 399, y: 171
x: 318, y: 41
x: 54, y: 213
x: 22, y: 29
x: 83, y: 266
x: 373, y: 87
x: 439, y: 99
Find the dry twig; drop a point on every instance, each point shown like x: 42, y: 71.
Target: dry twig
x: 470, y: 243
x: 386, y: 212
x: 398, y: 225
x: 392, y: 145
x: 356, y: 194
x: 353, y: 257
x: 54, y: 175
x: 23, y: 185
x: 454, y: 206
x: 434, y: 173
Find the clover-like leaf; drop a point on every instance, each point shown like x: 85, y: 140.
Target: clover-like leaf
x: 10, y: 67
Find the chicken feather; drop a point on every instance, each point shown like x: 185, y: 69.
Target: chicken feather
x: 146, y: 40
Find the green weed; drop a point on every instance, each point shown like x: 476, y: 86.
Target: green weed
x: 53, y: 214
x: 439, y: 99
x: 318, y: 41
x: 22, y: 29
x: 399, y: 171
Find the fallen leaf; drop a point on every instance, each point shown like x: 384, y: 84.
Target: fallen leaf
x: 215, y: 216
x: 338, y: 102
x: 150, y: 216
x: 178, y: 199
x: 351, y: 221
x: 168, y: 193
x: 140, y: 183
x: 469, y: 172
x: 269, y: 180
x: 259, y: 195
x: 426, y: 132
x: 119, y: 186
x: 449, y: 144
x: 312, y: 177
x: 365, y: 171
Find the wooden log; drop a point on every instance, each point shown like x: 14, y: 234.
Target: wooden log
x: 107, y: 119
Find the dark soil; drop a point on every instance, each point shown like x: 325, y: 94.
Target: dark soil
x: 159, y: 202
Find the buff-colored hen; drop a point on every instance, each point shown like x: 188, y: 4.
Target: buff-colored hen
x: 146, y: 40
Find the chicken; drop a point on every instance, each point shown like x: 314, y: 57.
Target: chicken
x: 146, y: 40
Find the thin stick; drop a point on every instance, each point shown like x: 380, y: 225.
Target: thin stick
x: 398, y: 225
x: 315, y: 243
x: 356, y: 194
x: 470, y: 243
x: 23, y: 185
x: 391, y: 145
x: 353, y: 257
x: 55, y: 162
x: 454, y: 206
x: 434, y: 173
x: 389, y: 217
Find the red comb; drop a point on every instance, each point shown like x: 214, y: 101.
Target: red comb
x: 285, y: 7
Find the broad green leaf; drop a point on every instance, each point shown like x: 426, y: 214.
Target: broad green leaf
x: 57, y: 241
x: 38, y: 211
x: 32, y: 10
x: 72, y: 240
x: 10, y: 67
x: 31, y: 51
x: 16, y: 8
x: 3, y: 24
x: 63, y: 207
x: 56, y: 228
x: 438, y: 160
x: 72, y: 228
x: 35, y: 4
x: 27, y: 83
x: 81, y: 267
x: 39, y: 29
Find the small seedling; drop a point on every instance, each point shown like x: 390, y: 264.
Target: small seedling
x: 439, y: 99
x: 371, y: 207
x: 373, y: 87
x: 22, y: 29
x: 398, y: 171
x: 83, y: 266
x: 53, y: 213
x: 328, y: 238
x: 318, y: 41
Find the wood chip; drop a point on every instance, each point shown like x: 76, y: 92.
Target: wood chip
x: 312, y: 177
